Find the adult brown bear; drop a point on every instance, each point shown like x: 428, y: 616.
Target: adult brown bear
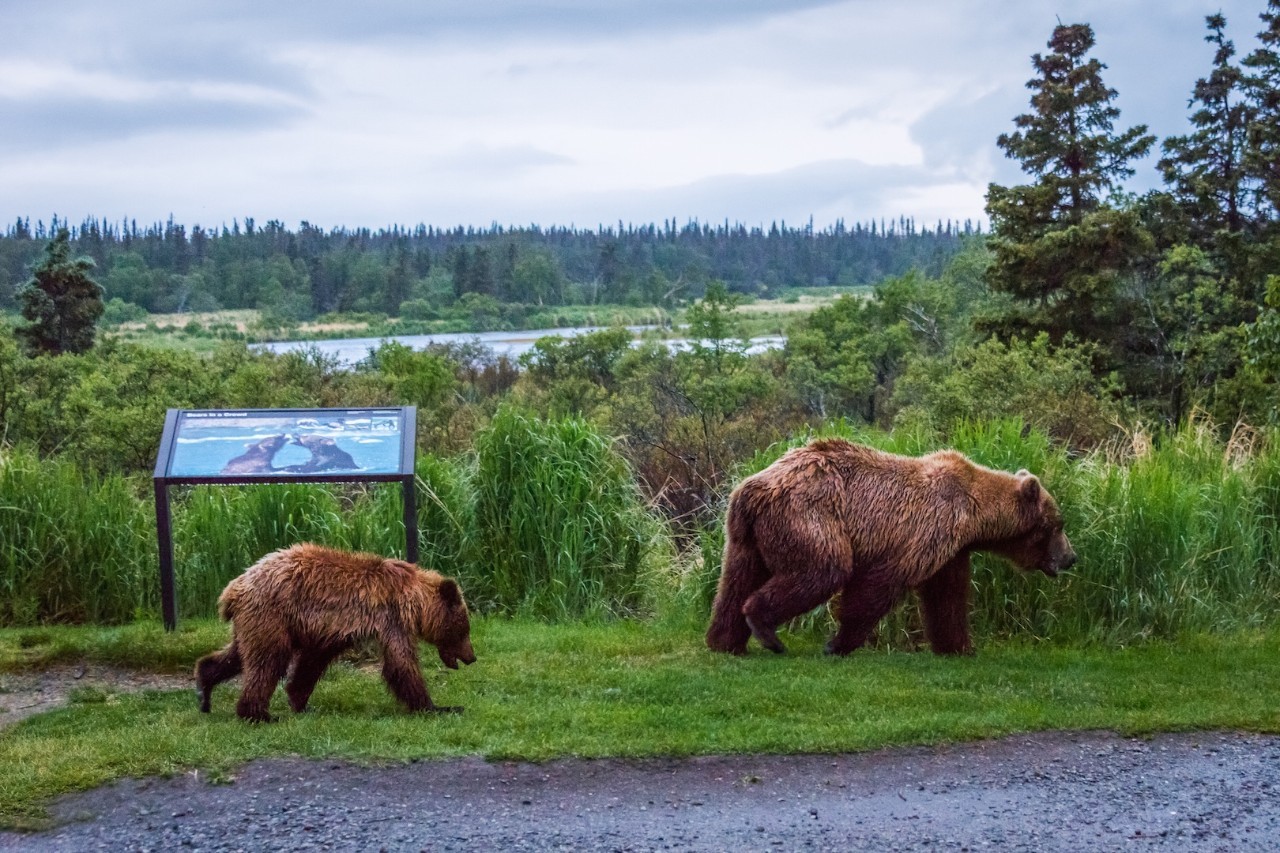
x: 303, y: 606
x: 839, y: 517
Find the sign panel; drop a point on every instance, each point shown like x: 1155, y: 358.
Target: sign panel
x: 279, y: 446
x: 285, y: 443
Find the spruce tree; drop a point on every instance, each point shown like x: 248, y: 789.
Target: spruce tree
x: 1060, y: 251
x: 1262, y: 162
x: 1205, y: 170
x: 61, y: 303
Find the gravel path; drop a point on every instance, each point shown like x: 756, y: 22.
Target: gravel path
x: 1042, y: 792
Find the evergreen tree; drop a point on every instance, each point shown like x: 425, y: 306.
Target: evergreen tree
x: 61, y: 303
x: 1067, y: 142
x: 1060, y: 251
x: 1205, y: 169
x: 1262, y: 161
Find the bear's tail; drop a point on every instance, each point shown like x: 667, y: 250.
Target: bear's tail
x: 742, y: 572
x: 230, y: 599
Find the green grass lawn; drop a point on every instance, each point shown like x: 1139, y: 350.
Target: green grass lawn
x: 619, y: 689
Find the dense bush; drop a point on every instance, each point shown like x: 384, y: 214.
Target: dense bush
x: 545, y: 520
x: 1051, y: 388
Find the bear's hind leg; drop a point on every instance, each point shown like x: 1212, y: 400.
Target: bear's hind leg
x: 215, y: 668
x: 307, y: 670
x: 944, y: 600
x: 743, y: 573
x: 264, y: 665
x: 863, y: 603
x: 785, y: 597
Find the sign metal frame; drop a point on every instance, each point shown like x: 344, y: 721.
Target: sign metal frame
x: 166, y: 476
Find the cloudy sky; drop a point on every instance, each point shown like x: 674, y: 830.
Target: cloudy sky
x: 572, y: 112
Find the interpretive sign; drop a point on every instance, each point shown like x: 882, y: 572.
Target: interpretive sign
x: 205, y: 446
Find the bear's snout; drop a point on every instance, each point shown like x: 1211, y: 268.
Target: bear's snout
x: 464, y: 653
x: 1061, y: 557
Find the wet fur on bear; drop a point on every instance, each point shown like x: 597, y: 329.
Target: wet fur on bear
x: 836, y: 517
x: 297, y: 609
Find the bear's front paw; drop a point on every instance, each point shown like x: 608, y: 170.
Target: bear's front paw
x: 765, y: 636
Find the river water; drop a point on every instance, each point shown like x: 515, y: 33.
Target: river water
x: 349, y: 351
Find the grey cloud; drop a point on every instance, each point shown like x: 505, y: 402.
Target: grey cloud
x: 199, y: 60
x: 345, y: 21
x: 504, y: 18
x: 45, y: 123
x: 960, y: 135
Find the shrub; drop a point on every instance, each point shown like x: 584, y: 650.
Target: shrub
x: 1051, y: 388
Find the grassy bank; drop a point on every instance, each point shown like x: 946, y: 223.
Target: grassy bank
x: 622, y: 688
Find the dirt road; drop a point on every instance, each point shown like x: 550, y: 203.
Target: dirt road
x: 1073, y: 791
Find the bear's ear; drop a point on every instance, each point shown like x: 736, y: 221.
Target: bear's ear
x: 449, y: 592
x: 1029, y: 486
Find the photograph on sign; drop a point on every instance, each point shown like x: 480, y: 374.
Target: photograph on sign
x: 287, y: 443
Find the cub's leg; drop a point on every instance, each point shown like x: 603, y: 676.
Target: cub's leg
x: 403, y: 674
x: 266, y: 659
x: 307, y: 669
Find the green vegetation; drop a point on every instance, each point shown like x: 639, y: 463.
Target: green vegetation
x: 491, y: 278
x: 623, y: 689
x: 1167, y: 286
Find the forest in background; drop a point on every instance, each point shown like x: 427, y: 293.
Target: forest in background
x: 420, y: 272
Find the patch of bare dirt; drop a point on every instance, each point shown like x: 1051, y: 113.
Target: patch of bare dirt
x: 23, y: 694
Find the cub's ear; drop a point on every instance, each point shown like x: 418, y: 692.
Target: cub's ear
x: 1028, y: 486
x: 449, y: 593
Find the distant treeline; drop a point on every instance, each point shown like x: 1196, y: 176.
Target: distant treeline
x: 297, y: 274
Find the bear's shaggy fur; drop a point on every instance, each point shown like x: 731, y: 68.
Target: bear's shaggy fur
x: 304, y: 605
x: 836, y: 517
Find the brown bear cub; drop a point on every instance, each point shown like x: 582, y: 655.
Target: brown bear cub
x: 836, y: 517
x: 302, y: 606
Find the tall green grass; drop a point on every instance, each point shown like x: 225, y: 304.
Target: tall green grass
x: 73, y: 547
x: 560, y: 522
